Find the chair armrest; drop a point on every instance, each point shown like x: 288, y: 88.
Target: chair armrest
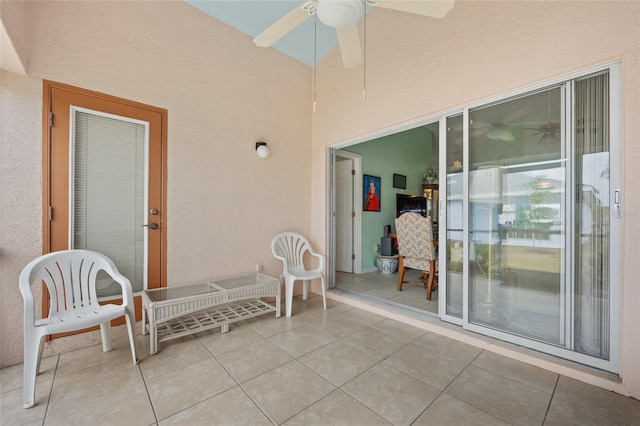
x: 127, y: 291
x: 320, y: 260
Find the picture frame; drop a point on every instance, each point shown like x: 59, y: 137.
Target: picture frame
x: 371, y: 191
x: 399, y: 181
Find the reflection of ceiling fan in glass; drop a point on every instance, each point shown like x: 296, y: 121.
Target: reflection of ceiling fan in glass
x: 549, y: 131
x: 343, y: 15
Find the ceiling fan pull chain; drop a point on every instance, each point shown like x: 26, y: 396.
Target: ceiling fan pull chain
x: 315, y: 61
x: 364, y: 53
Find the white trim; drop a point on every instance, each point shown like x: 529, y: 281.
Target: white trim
x: 357, y: 209
x: 615, y: 224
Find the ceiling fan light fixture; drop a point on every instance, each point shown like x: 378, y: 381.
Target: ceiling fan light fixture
x: 339, y: 13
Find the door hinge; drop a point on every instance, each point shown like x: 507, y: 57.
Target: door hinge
x: 50, y: 119
x: 353, y: 214
x: 50, y: 213
x: 353, y: 172
x: 353, y: 257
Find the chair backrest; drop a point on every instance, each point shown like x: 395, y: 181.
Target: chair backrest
x: 70, y: 277
x: 290, y: 248
x: 415, y: 236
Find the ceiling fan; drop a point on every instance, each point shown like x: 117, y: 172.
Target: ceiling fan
x: 548, y: 131
x: 343, y: 15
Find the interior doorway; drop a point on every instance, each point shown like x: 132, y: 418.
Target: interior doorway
x: 409, y: 153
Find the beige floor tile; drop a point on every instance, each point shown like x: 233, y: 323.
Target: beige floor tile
x: 410, y: 299
x: 338, y: 326
x: 287, y: 390
x: 447, y: 348
x: 250, y: 361
x: 11, y: 405
x: 179, y: 389
x: 521, y: 372
x: 301, y: 340
x: 338, y: 362
x: 504, y: 398
x: 562, y: 413
x: 399, y: 330
x: 174, y: 355
x: 232, y: 407
x: 239, y: 335
x: 74, y: 361
x: 392, y: 394
x: 433, y: 369
x: 348, y: 277
x: 12, y: 377
x: 335, y: 307
x: 375, y: 343
x: 386, y: 293
x: 337, y: 408
x: 447, y: 411
x: 601, y: 401
x: 86, y: 396
x: 268, y: 326
x: 361, y: 316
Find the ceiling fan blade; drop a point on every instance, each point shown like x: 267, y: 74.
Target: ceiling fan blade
x: 282, y: 26
x: 432, y: 8
x: 349, y: 40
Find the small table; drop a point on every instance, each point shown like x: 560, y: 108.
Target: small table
x: 172, y: 312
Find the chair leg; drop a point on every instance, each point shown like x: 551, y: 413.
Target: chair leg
x: 32, y: 351
x: 305, y: 290
x: 432, y: 267
x: 130, y: 317
x: 401, y: 270
x: 324, y: 293
x: 288, y: 295
x: 105, y: 331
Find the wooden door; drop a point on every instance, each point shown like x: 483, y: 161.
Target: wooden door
x: 60, y: 104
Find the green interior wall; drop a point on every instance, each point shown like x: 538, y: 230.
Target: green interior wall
x: 408, y: 153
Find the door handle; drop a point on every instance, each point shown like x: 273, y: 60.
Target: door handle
x: 617, y: 208
x: 152, y: 225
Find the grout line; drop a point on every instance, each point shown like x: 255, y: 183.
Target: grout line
x: 53, y: 380
x: 553, y: 393
x: 146, y: 388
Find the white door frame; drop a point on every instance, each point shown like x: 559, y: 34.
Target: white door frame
x: 357, y: 195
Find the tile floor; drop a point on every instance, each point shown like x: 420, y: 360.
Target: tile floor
x: 340, y: 366
x: 384, y: 287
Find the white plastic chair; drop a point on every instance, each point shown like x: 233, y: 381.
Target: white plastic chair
x: 70, y: 277
x: 291, y: 247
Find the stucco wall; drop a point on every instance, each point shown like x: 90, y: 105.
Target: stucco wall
x: 222, y: 93
x: 417, y: 67
x: 20, y: 197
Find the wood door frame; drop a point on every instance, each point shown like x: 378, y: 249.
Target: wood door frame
x: 48, y: 87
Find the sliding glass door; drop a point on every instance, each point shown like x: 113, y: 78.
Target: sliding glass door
x: 528, y: 230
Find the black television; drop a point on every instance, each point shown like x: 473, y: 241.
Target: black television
x: 411, y: 203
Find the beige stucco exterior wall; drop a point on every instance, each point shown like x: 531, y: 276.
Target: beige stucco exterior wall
x: 222, y: 93
x: 418, y: 67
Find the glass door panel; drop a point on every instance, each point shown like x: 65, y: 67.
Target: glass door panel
x: 109, y: 197
x: 517, y: 218
x: 455, y: 216
x: 532, y: 253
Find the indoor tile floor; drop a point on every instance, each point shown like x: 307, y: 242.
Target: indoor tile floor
x: 341, y: 366
x: 384, y: 287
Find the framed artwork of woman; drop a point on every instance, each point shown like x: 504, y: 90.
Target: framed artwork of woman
x: 371, y: 194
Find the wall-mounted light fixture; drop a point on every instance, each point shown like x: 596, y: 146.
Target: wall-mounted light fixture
x: 262, y: 149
